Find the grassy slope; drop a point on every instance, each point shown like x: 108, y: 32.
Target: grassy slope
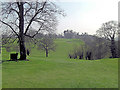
x: 58, y: 71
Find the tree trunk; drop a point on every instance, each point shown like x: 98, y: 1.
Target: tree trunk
x: 46, y: 53
x: 21, y: 32
x: 22, y: 50
x: 113, y: 48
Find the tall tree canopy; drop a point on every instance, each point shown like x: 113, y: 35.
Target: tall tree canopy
x: 109, y: 30
x: 22, y: 17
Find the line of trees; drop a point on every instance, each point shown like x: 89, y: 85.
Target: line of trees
x: 81, y: 52
x: 101, y: 45
x: 45, y: 43
x: 98, y: 45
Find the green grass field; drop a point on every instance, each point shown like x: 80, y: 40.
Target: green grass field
x: 58, y: 71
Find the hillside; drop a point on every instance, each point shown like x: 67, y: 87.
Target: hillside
x: 58, y: 71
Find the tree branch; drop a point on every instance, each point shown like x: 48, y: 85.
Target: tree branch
x: 8, y: 41
x: 28, y: 9
x: 9, y: 27
x: 35, y: 33
x: 15, y: 11
x: 41, y: 9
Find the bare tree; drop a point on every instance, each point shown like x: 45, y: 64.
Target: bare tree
x: 21, y: 17
x: 47, y: 44
x: 109, y: 30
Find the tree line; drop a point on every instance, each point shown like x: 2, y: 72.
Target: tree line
x: 101, y: 45
x: 95, y: 47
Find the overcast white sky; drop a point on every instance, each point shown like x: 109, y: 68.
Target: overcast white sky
x: 86, y: 15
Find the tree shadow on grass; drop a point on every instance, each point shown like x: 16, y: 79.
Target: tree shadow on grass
x: 1, y: 61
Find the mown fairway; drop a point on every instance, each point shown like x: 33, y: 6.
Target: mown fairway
x: 58, y: 71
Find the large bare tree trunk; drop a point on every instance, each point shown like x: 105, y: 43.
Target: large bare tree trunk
x: 113, y: 48
x: 22, y: 50
x: 21, y: 33
x: 46, y: 53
